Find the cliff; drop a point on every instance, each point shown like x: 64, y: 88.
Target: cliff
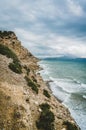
x: 26, y: 103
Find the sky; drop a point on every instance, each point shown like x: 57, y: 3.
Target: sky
x: 50, y: 28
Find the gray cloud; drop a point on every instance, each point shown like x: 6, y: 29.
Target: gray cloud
x: 47, y: 27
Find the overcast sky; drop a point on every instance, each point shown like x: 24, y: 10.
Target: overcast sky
x: 47, y: 27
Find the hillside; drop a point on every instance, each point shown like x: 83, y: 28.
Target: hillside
x: 26, y: 103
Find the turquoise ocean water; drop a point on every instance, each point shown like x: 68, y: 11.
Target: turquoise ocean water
x: 69, y: 84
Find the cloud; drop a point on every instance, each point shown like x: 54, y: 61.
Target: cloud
x: 70, y: 46
x: 52, y: 44
x: 47, y: 27
x: 75, y: 8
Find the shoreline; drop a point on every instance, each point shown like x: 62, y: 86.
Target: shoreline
x: 48, y: 85
x: 23, y: 94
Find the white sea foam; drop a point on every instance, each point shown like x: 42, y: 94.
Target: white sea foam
x: 58, y: 91
x: 67, y: 85
x: 84, y: 96
x: 83, y: 85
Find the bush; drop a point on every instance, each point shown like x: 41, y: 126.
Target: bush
x: 31, y: 84
x: 5, y: 33
x: 27, y: 69
x: 34, y: 79
x: 45, y: 107
x: 70, y: 126
x: 4, y: 50
x: 15, y: 67
x: 46, y: 118
x: 45, y: 92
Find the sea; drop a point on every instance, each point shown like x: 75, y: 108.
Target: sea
x: 68, y: 83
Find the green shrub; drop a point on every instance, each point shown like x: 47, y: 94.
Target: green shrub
x: 15, y: 67
x: 31, y: 84
x: 46, y: 118
x: 5, y: 33
x: 4, y: 50
x: 27, y: 69
x: 45, y: 107
x: 45, y: 92
x: 70, y: 126
x: 34, y: 79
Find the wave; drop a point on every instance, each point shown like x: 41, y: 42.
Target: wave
x: 83, y: 85
x: 62, y: 88
x: 76, y: 81
x: 79, y: 95
x: 67, y: 87
x: 84, y: 96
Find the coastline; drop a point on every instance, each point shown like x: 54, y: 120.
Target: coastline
x: 47, y: 83
x: 23, y: 93
x: 69, y: 85
x: 58, y: 103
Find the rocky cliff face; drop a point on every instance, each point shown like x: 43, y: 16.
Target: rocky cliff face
x: 26, y: 103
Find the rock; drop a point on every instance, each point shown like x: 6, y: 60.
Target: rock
x: 36, y: 102
x: 39, y: 110
x: 64, y: 129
